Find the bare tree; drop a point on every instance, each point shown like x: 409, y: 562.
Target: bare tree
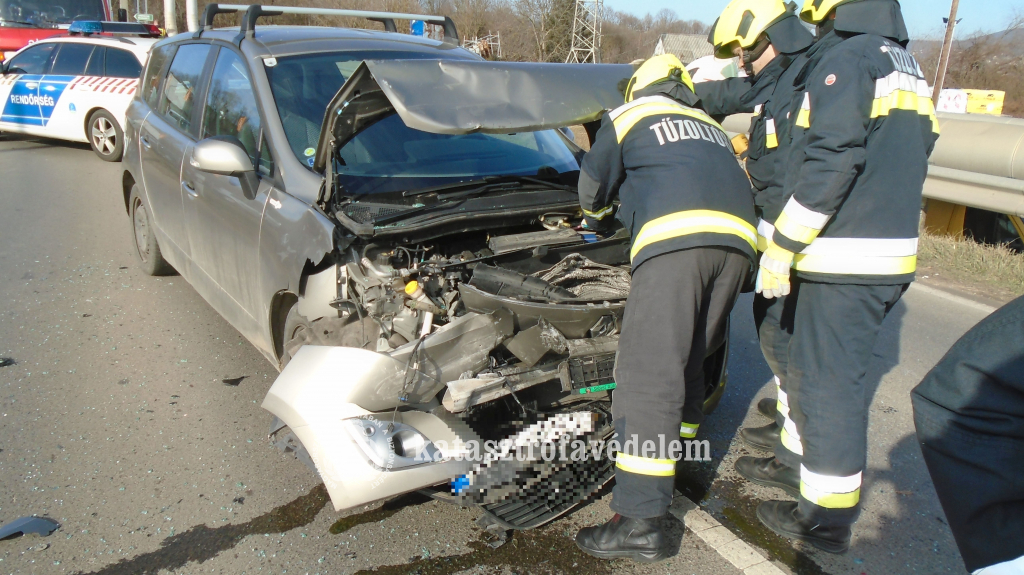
x: 629, y: 37
x: 983, y: 61
x: 531, y: 30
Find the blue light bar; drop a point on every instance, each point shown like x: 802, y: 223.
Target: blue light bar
x: 86, y: 27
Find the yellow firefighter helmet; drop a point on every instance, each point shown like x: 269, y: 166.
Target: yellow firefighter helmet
x: 743, y: 22
x: 656, y: 70
x: 814, y: 11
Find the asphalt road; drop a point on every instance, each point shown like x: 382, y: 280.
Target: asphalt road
x: 132, y: 417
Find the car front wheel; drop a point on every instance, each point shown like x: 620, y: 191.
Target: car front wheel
x: 146, y: 248
x: 105, y: 136
x: 297, y: 333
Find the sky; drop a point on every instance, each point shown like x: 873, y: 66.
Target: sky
x: 924, y: 17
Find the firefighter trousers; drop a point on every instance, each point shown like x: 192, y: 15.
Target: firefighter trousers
x: 969, y: 414
x: 677, y: 313
x: 774, y: 321
x: 825, y: 433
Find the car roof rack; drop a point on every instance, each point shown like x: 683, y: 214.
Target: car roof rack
x: 211, y: 11
x: 255, y: 11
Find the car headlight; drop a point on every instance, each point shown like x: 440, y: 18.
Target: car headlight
x: 390, y: 446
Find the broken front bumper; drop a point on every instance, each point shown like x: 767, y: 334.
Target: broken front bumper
x: 316, y: 396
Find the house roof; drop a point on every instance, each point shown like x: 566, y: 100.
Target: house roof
x: 688, y: 47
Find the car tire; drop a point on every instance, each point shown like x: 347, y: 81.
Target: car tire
x: 716, y: 374
x: 105, y: 136
x: 144, y: 244
x: 297, y: 333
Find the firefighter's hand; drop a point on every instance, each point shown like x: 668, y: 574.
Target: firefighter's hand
x: 773, y: 275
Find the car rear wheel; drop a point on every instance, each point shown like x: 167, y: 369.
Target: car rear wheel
x: 105, y: 136
x: 146, y: 248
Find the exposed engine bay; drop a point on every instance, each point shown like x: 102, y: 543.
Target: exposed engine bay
x: 561, y: 286
x: 409, y: 354
x: 406, y: 355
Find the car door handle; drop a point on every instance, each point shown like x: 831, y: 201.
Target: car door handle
x: 145, y: 142
x: 189, y: 189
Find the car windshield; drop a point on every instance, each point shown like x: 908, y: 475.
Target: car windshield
x: 388, y: 156
x: 49, y: 13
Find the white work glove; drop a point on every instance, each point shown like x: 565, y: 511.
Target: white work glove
x: 773, y: 274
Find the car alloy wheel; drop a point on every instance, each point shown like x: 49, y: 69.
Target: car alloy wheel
x: 104, y: 136
x: 141, y: 221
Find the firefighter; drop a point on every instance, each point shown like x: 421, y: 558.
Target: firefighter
x: 863, y: 130
x: 769, y: 39
x: 689, y: 209
x: 969, y: 414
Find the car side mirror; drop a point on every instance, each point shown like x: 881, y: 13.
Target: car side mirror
x: 225, y: 156
x: 3, y: 67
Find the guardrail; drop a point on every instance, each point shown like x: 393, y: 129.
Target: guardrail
x: 978, y: 161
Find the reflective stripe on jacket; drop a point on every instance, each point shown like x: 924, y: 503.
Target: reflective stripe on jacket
x: 674, y: 172
x: 865, y: 126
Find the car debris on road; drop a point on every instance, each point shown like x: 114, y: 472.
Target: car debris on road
x: 41, y: 526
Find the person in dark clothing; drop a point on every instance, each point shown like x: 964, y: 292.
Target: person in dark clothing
x: 863, y: 130
x: 688, y: 207
x: 769, y: 39
x: 969, y: 414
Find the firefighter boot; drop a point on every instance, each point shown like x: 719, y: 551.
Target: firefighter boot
x: 637, y: 539
x: 762, y: 438
x: 783, y: 517
x: 770, y: 472
x: 768, y: 407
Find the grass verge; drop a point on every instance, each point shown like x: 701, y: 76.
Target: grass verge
x: 993, y: 271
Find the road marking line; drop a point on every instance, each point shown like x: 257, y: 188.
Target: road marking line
x: 734, y: 550
x: 952, y: 297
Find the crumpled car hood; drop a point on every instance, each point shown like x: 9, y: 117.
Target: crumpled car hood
x: 464, y: 97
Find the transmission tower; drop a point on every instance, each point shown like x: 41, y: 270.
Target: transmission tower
x: 586, y: 32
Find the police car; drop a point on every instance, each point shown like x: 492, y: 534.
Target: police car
x: 76, y: 87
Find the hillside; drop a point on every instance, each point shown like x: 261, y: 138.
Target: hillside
x: 987, y: 61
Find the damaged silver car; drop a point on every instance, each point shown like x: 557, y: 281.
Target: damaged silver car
x: 393, y: 222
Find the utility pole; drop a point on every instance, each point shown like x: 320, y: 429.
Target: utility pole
x: 169, y: 24
x: 586, y: 32
x: 192, y: 15
x: 947, y: 46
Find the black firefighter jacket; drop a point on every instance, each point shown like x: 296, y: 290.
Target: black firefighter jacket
x: 769, y: 95
x: 677, y: 179
x: 863, y: 130
x: 969, y: 413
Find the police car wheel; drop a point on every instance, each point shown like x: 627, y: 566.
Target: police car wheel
x: 147, y: 250
x: 105, y: 136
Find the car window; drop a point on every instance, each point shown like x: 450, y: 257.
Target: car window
x: 231, y: 108
x: 95, y: 67
x: 122, y: 64
x: 304, y: 85
x: 388, y: 155
x: 183, y: 77
x: 391, y: 150
x: 154, y: 73
x: 71, y: 60
x: 34, y: 60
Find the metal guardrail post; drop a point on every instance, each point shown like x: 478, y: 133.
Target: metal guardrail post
x: 1018, y: 225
